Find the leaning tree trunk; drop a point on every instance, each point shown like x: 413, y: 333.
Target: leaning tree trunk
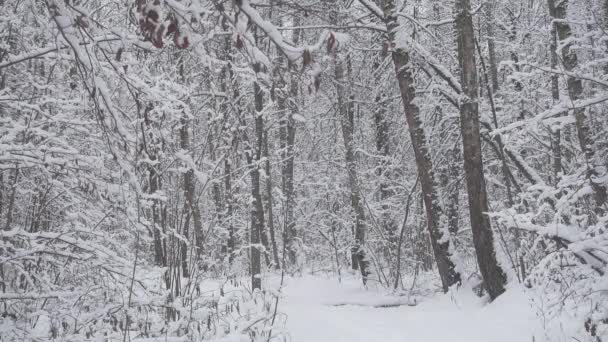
x: 493, y: 276
x: 575, y: 89
x: 440, y: 244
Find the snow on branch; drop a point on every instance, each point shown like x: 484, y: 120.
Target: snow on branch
x: 556, y: 110
x: 373, y: 8
x: 293, y: 53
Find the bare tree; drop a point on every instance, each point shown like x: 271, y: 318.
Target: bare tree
x: 493, y: 276
x: 401, y: 60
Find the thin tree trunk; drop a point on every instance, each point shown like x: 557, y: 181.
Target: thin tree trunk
x: 383, y: 149
x: 287, y: 133
x: 493, y: 276
x: 575, y: 90
x: 440, y: 244
x: 497, y: 138
x: 489, y: 26
x: 226, y: 76
x: 188, y: 183
x: 228, y: 191
x: 11, y: 201
x: 269, y: 206
x: 452, y: 187
x: 159, y: 249
x: 556, y: 133
x: 346, y: 112
x: 254, y: 155
x: 346, y: 117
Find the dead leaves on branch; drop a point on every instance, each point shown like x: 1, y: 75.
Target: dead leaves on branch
x: 155, y: 28
x: 332, y: 43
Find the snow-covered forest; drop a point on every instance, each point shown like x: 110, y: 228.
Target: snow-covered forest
x: 285, y: 170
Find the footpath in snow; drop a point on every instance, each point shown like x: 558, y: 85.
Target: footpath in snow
x: 320, y: 309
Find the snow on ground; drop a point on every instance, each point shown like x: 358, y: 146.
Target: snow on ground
x: 319, y: 309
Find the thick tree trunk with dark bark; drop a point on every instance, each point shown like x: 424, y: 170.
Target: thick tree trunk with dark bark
x: 493, y: 276
x: 439, y: 242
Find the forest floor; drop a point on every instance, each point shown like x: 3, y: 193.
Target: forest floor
x: 321, y: 309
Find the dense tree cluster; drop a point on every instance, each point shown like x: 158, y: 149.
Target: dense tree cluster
x: 147, y: 146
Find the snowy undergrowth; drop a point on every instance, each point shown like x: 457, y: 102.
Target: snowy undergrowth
x: 570, y: 298
x: 204, y: 309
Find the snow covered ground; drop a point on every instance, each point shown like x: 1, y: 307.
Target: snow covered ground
x: 319, y: 309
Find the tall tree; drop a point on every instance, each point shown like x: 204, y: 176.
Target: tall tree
x: 401, y: 60
x: 493, y: 276
x: 287, y: 102
x: 575, y: 90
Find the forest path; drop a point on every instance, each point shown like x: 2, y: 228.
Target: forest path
x: 320, y: 309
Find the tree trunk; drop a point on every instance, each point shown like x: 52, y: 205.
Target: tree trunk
x: 225, y: 78
x: 489, y: 26
x: 269, y: 207
x: 346, y: 117
x: 231, y: 244
x: 346, y: 111
x: 439, y: 243
x: 287, y: 135
x: 160, y: 258
x: 257, y: 210
x: 383, y: 149
x: 188, y: 183
x: 493, y: 276
x: 556, y: 133
x: 575, y: 90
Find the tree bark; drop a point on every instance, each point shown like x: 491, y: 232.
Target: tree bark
x: 440, y: 244
x: 257, y: 210
x: 383, y: 148
x: 346, y: 112
x: 287, y: 136
x: 493, y: 276
x: 489, y: 26
x: 225, y: 80
x: 269, y: 206
x: 160, y: 258
x: 556, y: 133
x: 575, y: 89
x: 188, y: 184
